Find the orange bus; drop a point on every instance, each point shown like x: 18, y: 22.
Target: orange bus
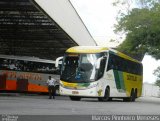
x: 26, y: 74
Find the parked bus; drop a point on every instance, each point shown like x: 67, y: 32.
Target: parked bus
x: 93, y: 71
x: 26, y: 74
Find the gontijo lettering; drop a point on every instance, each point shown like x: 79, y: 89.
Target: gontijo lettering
x: 131, y: 77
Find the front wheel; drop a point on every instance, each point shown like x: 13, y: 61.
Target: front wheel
x: 74, y: 98
x: 106, y: 96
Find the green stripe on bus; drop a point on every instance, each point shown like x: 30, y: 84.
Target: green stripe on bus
x: 119, y: 80
x: 116, y: 75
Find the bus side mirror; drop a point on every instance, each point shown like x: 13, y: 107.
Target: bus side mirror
x: 58, y: 62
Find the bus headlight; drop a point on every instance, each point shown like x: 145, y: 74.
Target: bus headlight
x: 93, y: 85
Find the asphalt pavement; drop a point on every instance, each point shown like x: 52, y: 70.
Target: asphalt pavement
x: 33, y: 104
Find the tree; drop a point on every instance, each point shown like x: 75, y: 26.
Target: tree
x: 157, y: 73
x: 157, y: 83
x: 142, y: 28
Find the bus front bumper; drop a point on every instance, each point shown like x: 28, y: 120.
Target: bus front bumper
x: 91, y: 92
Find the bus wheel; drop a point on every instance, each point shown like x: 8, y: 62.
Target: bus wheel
x: 106, y: 96
x: 135, y: 93
x: 131, y: 98
x: 74, y: 98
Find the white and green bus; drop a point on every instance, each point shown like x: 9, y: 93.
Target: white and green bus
x: 93, y: 71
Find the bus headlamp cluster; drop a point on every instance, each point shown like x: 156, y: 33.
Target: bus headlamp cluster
x: 93, y: 85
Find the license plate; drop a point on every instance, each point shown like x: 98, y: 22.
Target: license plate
x: 75, y: 92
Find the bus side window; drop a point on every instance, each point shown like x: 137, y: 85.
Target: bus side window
x: 116, y: 63
x: 128, y: 66
x: 110, y: 64
x: 102, y: 68
x: 113, y: 62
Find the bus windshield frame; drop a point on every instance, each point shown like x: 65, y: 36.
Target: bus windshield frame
x: 81, y: 68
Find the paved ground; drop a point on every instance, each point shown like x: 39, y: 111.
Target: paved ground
x: 40, y: 105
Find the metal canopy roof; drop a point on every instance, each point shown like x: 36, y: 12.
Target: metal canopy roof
x: 27, y: 30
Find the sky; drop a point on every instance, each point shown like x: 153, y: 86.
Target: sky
x: 99, y: 16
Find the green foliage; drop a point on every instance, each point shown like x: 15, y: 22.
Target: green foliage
x: 146, y: 3
x: 157, y: 73
x: 142, y: 28
x: 157, y: 83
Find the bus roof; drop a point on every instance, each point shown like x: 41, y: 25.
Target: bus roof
x: 120, y: 54
x: 98, y: 49
x: 27, y: 58
x: 86, y: 49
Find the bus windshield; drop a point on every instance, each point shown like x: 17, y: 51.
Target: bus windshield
x: 80, y: 68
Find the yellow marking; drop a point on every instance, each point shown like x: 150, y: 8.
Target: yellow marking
x: 132, y: 81
x: 99, y: 92
x: 97, y: 49
x: 66, y: 84
x: 87, y: 49
x: 126, y: 57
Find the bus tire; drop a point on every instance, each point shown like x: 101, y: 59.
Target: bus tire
x: 75, y: 98
x: 106, y: 96
x: 136, y: 93
x: 131, y: 98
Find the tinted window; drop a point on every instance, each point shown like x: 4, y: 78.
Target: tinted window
x: 121, y: 64
x: 27, y: 66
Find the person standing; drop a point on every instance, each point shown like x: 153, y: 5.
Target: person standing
x: 51, y: 87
